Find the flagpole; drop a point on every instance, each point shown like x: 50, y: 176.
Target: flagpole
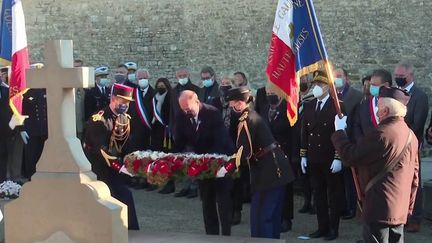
x: 333, y: 92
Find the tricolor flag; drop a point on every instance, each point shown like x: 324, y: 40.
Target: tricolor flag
x: 13, y: 50
x: 296, y: 49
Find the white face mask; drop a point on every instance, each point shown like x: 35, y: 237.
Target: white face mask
x: 143, y: 83
x: 132, y: 77
x: 317, y: 91
x: 183, y: 81
x: 339, y: 82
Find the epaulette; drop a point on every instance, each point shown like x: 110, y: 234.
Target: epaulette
x: 98, y: 116
x: 244, y: 116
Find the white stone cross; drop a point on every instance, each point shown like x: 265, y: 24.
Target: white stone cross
x: 62, y: 151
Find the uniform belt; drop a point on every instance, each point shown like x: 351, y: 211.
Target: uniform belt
x: 263, y: 151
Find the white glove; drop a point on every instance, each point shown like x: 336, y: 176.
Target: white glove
x: 1, y: 216
x: 336, y: 166
x: 125, y: 171
x: 16, y: 120
x: 24, y: 136
x: 221, y: 172
x: 340, y: 123
x: 303, y: 164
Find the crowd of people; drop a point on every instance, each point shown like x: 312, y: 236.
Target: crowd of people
x: 127, y: 111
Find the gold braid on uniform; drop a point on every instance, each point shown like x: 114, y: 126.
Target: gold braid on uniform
x: 243, y: 125
x: 120, y: 133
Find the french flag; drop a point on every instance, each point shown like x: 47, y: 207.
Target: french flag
x: 296, y: 49
x: 14, y: 51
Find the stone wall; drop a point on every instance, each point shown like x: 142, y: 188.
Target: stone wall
x: 230, y: 35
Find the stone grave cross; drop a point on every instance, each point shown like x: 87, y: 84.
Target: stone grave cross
x: 60, y: 78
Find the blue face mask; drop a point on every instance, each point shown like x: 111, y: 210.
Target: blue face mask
x: 103, y: 82
x: 374, y: 90
x: 339, y: 83
x: 121, y: 108
x: 208, y: 83
x: 132, y: 77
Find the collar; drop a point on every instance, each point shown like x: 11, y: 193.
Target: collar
x: 144, y: 90
x: 4, y: 85
x: 100, y: 87
x: 324, y: 100
x: 344, y: 90
x: 409, y: 87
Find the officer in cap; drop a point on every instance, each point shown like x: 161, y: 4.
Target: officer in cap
x: 97, y: 97
x: 132, y: 68
x: 107, y: 142
x: 269, y: 167
x: 319, y: 159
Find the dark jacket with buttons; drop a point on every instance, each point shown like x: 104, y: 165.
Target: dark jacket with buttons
x: 263, y: 169
x: 35, y: 106
x: 5, y: 113
x: 94, y: 101
x: 317, y: 129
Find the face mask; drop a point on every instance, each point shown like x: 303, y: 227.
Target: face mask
x: 161, y: 90
x: 303, y: 87
x: 401, y: 82
x: 132, y: 77
x: 374, y: 90
x: 103, y: 82
x: 339, y: 83
x: 119, y: 78
x: 121, y: 109
x: 317, y: 91
x: 183, y: 81
x: 224, y: 90
x: 273, y: 99
x: 208, y: 83
x: 143, y: 83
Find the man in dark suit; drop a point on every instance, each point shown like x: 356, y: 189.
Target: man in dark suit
x: 97, y: 97
x: 418, y: 108
x: 141, y: 112
x: 319, y: 157
x: 210, y: 90
x: 350, y: 98
x: 183, y: 83
x: 201, y: 130
x: 5, y: 131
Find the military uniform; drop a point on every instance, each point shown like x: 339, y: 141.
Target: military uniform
x: 36, y: 126
x: 95, y: 100
x: 269, y: 168
x: 5, y: 131
x: 105, y: 144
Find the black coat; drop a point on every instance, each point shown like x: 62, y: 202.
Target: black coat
x: 417, y: 112
x: 140, y: 132
x: 35, y: 106
x: 5, y: 113
x: 97, y: 137
x: 211, y: 135
x: 160, y: 132
x: 95, y: 101
x: 317, y: 129
x: 207, y: 95
x: 261, y: 100
x: 263, y: 169
x: 362, y: 121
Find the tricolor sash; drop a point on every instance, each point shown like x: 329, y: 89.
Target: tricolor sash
x: 141, y: 110
x: 372, y: 113
x: 156, y: 113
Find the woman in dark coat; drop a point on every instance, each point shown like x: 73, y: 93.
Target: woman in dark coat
x: 160, y: 134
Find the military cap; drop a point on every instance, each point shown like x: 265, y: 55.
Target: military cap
x: 239, y: 93
x: 395, y: 93
x: 131, y: 66
x: 320, y: 76
x: 122, y: 91
x: 38, y: 65
x: 102, y: 70
x: 4, y: 69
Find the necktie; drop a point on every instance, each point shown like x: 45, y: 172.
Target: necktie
x: 103, y: 91
x: 272, y: 114
x: 318, y: 108
x: 194, y: 124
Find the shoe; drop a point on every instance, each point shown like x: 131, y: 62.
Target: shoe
x: 192, y: 193
x: 318, y: 234
x: 236, y: 219
x: 152, y: 188
x: 306, y: 208
x: 412, y: 227
x: 349, y: 215
x: 182, y: 193
x: 168, y: 188
x: 286, y: 226
x: 331, y: 235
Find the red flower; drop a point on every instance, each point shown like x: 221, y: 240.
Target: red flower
x: 229, y: 166
x: 162, y: 167
x: 136, y: 165
x: 193, y: 170
x: 177, y: 164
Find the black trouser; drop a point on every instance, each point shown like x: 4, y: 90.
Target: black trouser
x: 32, y: 153
x: 237, y: 194
x: 288, y: 203
x: 3, y: 158
x: 382, y: 233
x: 306, y: 187
x: 350, y: 190
x: 216, y: 198
x: 328, y: 193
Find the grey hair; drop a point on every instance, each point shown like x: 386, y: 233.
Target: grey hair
x: 407, y: 65
x: 231, y: 78
x: 143, y: 70
x: 396, y: 108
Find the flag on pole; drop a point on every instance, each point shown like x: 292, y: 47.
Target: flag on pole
x: 13, y: 50
x: 296, y: 49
